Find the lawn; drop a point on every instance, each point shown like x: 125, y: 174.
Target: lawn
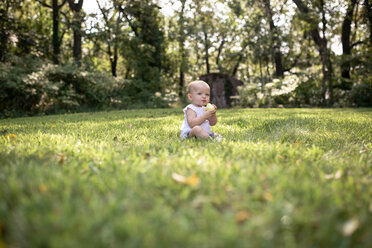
x: 279, y: 178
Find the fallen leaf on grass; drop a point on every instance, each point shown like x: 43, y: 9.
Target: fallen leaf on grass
x: 10, y: 136
x: 337, y: 175
x: 43, y: 189
x: 268, y: 196
x: 191, y: 180
x: 241, y: 216
x: 61, y: 158
x: 350, y: 226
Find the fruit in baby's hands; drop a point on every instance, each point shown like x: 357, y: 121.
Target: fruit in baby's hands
x: 209, y: 107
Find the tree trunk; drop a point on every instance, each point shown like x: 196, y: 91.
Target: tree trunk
x: 4, y: 33
x: 76, y: 8
x: 323, y: 51
x: 114, y: 65
x: 77, y: 40
x: 181, y: 83
x: 236, y: 67
x: 369, y: 15
x: 261, y: 75
x: 279, y: 70
x: 219, y: 53
x: 55, y: 38
x: 346, y: 47
x: 113, y: 59
x: 206, y: 45
x: 112, y: 39
x: 116, y: 54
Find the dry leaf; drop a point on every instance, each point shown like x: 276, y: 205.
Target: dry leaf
x: 337, y: 175
x: 43, y: 189
x: 350, y: 226
x: 10, y: 136
x: 268, y: 196
x: 281, y: 157
x: 241, y: 216
x: 191, y: 180
x: 61, y: 158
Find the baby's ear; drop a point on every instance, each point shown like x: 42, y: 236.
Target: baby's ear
x: 189, y: 96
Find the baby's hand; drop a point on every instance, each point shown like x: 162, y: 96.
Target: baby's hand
x: 210, y: 107
x: 210, y: 113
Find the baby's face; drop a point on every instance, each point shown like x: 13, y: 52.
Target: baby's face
x: 200, y: 95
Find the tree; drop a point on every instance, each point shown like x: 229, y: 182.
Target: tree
x: 205, y: 28
x: 368, y: 8
x: 24, y: 29
x: 7, y: 23
x: 111, y: 34
x: 321, y: 43
x: 56, y: 38
x: 76, y: 26
x: 145, y: 50
x: 182, y: 50
x: 279, y: 70
x: 346, y: 46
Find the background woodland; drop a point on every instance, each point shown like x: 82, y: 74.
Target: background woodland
x: 55, y: 57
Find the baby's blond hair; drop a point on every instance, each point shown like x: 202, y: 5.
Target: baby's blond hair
x: 195, y: 84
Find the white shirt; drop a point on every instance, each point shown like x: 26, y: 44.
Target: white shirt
x: 185, y: 128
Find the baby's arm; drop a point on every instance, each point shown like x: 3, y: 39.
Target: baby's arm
x: 213, y: 119
x: 193, y: 121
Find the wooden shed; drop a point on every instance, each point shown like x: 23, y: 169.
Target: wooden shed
x: 223, y: 88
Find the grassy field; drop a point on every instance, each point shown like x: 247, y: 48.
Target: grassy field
x: 279, y: 178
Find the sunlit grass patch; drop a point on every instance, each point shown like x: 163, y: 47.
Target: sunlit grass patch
x: 279, y: 177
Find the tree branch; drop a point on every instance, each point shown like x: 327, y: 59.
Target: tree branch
x: 357, y: 43
x: 44, y: 3
x: 61, y: 5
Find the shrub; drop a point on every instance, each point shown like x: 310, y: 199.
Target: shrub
x: 361, y: 94
x: 31, y: 86
x: 16, y: 96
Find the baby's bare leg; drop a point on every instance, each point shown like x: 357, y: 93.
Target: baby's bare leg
x: 199, y: 132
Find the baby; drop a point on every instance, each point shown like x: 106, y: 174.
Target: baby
x: 198, y: 121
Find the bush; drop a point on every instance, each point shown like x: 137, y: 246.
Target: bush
x: 30, y: 86
x: 16, y: 96
x: 361, y: 94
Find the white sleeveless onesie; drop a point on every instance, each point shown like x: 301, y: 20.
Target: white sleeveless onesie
x: 185, y: 128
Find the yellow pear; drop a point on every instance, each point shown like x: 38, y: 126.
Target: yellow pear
x: 209, y: 107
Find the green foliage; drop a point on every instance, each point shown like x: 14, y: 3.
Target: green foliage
x: 145, y: 51
x: 279, y: 178
x: 361, y: 94
x: 291, y: 91
x: 15, y: 94
x: 31, y: 86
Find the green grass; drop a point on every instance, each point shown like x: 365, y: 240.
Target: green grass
x: 279, y: 178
